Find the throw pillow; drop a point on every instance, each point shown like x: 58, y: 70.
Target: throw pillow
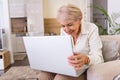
x: 110, y: 50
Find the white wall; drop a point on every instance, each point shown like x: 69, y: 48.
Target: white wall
x: 7, y: 27
x: 17, y: 8
x: 1, y: 13
x: 113, y: 6
x: 35, y: 17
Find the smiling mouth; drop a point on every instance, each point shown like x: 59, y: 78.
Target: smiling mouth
x: 70, y: 32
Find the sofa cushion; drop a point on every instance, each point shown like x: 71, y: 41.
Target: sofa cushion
x: 104, y: 71
x: 110, y: 50
x: 111, y: 37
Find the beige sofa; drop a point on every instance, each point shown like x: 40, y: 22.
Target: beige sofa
x: 105, y: 71
x: 109, y: 69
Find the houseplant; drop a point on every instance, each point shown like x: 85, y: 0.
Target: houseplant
x: 113, y: 22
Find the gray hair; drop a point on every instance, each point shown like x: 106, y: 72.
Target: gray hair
x: 69, y: 12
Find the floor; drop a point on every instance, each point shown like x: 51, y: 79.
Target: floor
x: 24, y: 62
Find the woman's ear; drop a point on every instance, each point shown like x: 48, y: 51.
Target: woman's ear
x: 80, y: 18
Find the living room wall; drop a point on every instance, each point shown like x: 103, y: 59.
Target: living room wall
x: 6, y: 27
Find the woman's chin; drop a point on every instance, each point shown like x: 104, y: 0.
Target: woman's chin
x: 70, y: 33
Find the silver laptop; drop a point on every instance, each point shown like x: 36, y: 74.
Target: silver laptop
x: 50, y: 53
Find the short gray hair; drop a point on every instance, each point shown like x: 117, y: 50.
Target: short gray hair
x: 69, y: 12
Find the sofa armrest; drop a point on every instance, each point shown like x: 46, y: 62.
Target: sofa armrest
x: 104, y: 71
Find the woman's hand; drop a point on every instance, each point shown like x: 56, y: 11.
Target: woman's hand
x: 78, y: 60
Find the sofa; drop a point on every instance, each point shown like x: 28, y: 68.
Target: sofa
x: 104, y: 71
x: 111, y: 67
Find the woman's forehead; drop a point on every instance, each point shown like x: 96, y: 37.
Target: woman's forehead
x: 66, y: 22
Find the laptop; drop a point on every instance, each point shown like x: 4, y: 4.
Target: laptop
x: 50, y: 53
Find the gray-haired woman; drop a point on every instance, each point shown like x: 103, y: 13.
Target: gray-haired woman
x: 87, y: 43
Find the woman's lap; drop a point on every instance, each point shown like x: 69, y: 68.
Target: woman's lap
x: 53, y: 76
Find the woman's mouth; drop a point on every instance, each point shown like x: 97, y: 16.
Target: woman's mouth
x: 70, y: 32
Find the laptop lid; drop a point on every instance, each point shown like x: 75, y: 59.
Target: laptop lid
x: 50, y: 53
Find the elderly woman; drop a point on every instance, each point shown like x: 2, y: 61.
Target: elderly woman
x: 87, y: 43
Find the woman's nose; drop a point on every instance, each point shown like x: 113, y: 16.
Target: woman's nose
x: 66, y: 29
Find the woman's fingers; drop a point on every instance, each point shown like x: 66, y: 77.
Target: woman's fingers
x: 76, y: 61
x: 77, y: 66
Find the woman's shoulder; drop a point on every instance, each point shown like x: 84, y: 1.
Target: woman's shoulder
x: 90, y: 25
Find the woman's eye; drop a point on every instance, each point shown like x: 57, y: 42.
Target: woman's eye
x: 63, y: 25
x: 70, y: 24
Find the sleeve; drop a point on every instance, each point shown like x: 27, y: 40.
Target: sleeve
x: 95, y: 44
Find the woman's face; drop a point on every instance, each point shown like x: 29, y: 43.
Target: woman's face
x: 71, y: 27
